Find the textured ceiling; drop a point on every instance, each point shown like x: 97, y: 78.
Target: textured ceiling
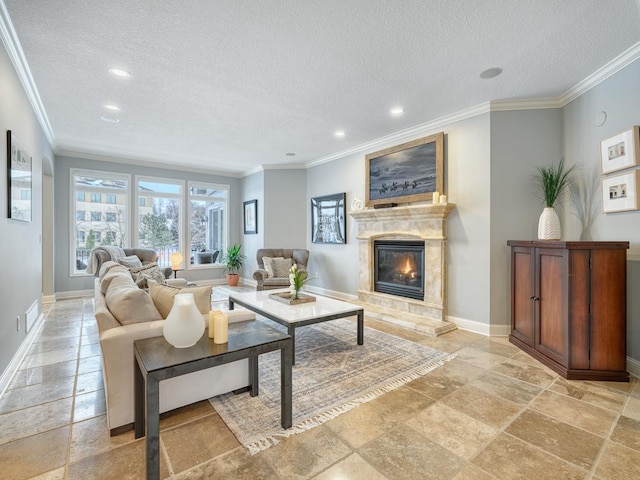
x: 230, y: 85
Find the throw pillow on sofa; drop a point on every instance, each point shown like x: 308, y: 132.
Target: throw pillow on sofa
x: 128, y: 304
x: 163, y: 295
x: 132, y: 261
x: 141, y: 275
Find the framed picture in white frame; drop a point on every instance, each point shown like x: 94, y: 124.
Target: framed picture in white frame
x: 620, y: 151
x: 620, y: 192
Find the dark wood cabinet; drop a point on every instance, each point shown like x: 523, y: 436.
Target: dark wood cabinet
x: 568, y: 306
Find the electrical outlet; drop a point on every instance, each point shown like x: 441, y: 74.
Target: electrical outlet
x: 18, y: 322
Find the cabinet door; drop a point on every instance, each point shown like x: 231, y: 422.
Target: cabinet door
x: 551, y: 304
x: 522, y: 277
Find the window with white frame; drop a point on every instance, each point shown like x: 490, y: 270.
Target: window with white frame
x: 106, y: 223
x: 159, y: 212
x: 207, y: 222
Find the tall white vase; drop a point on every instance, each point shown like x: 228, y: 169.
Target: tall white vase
x: 184, y: 325
x: 549, y: 225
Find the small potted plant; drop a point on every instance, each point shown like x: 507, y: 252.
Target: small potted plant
x: 233, y: 261
x: 553, y: 181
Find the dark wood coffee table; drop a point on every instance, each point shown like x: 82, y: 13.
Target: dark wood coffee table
x: 157, y: 360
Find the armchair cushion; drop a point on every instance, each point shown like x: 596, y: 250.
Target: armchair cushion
x: 268, y: 265
x: 281, y: 267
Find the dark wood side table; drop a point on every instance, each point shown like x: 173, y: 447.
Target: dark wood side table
x: 157, y: 360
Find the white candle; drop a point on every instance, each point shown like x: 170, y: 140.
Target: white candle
x: 443, y: 199
x: 220, y: 328
x: 436, y: 198
x: 212, y: 314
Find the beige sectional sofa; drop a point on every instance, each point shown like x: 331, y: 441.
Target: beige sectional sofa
x: 126, y: 313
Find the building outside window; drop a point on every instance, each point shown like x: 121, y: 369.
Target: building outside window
x: 107, y: 223
x: 207, y: 222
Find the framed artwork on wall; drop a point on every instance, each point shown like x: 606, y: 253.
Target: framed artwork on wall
x: 620, y: 151
x: 328, y: 215
x: 406, y: 173
x: 19, y: 181
x: 250, y: 217
x: 620, y: 192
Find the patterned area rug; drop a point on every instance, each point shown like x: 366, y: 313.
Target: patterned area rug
x: 332, y: 375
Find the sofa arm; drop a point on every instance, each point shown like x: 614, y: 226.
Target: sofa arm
x: 259, y: 276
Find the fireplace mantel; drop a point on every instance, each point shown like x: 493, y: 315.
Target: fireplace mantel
x: 425, y: 222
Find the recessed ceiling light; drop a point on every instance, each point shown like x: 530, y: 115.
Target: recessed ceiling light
x: 108, y: 119
x: 339, y: 133
x: 111, y: 107
x: 397, y: 111
x: 119, y: 72
x: 290, y: 154
x: 491, y: 73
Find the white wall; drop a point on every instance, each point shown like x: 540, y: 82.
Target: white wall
x: 20, y: 242
x: 285, y: 196
x: 253, y: 189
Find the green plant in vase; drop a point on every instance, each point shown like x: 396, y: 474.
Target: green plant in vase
x: 233, y: 261
x: 297, y: 279
x: 553, y: 181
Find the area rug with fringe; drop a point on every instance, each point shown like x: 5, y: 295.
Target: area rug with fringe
x: 331, y: 376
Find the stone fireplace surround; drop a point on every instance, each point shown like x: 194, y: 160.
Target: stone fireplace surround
x: 426, y: 222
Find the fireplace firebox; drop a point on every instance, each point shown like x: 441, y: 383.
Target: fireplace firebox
x: 399, y: 268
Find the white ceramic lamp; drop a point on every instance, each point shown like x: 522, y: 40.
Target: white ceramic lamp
x: 184, y: 325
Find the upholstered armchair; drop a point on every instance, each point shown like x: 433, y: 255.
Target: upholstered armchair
x: 104, y: 254
x: 278, y: 278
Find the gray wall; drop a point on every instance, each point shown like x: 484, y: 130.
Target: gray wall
x: 253, y: 189
x: 619, y: 97
x: 285, y: 218
x: 64, y: 282
x: 520, y: 141
x: 20, y: 242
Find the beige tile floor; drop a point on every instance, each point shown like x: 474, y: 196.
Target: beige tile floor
x: 492, y: 413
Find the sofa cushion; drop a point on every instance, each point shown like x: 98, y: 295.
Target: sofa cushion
x: 112, y: 274
x: 128, y: 304
x: 132, y: 261
x: 163, y: 295
x: 281, y: 267
x: 141, y: 274
x: 106, y: 267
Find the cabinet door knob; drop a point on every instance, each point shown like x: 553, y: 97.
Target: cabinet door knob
x: 532, y: 297
x: 536, y: 299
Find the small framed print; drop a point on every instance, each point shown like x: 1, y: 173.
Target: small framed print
x: 620, y: 151
x: 250, y: 217
x: 620, y: 192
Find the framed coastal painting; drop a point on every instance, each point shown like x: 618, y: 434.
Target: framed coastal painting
x: 18, y: 180
x: 620, y: 151
x: 250, y: 217
x: 328, y: 214
x: 620, y: 192
x: 406, y: 173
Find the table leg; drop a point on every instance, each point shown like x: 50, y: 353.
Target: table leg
x: 361, y: 327
x: 231, y: 304
x: 291, y: 331
x: 138, y: 387
x: 153, y: 429
x: 286, y: 362
x: 253, y: 375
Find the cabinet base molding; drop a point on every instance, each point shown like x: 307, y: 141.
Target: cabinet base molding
x: 568, y: 373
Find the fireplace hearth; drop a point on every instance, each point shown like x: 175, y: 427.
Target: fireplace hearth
x: 399, y: 267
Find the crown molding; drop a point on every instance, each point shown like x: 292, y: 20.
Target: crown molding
x: 614, y: 66
x: 16, y: 54
x: 525, y: 104
x: 402, y: 135
x: 127, y: 158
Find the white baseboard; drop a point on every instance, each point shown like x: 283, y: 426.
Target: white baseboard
x: 331, y: 293
x: 633, y: 367
x: 74, y: 294
x: 48, y: 299
x: 12, y: 368
x: 479, y: 327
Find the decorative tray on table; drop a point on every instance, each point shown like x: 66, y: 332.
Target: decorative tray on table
x: 285, y: 297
